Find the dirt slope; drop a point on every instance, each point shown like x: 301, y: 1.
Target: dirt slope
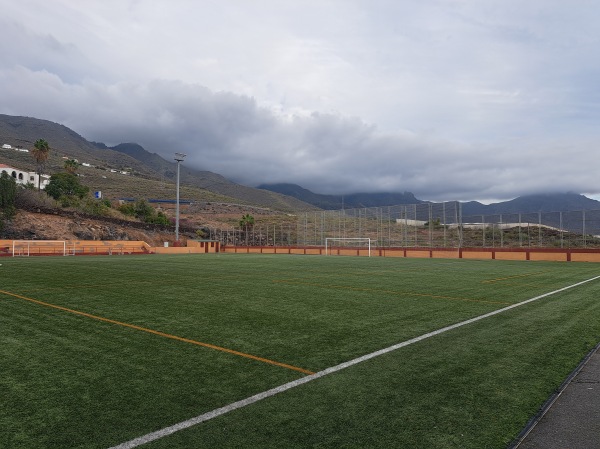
x: 42, y: 226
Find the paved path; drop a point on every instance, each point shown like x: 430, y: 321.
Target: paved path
x: 573, y: 419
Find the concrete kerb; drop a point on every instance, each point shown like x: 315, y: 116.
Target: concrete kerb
x: 533, y: 422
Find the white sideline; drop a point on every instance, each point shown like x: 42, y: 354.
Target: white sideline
x: 295, y: 383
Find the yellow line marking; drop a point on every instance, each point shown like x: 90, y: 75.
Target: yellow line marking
x: 363, y: 289
x: 489, y: 281
x: 161, y: 334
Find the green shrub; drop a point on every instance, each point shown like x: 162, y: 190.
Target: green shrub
x: 95, y: 207
x: 127, y: 209
x: 145, y: 212
x: 66, y: 185
x: 159, y: 218
x: 8, y: 193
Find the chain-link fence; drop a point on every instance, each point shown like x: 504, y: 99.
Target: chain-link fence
x: 432, y: 225
x: 573, y: 229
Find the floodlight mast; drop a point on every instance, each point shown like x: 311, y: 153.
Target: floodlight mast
x: 179, y: 157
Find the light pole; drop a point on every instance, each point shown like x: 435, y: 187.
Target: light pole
x: 179, y: 157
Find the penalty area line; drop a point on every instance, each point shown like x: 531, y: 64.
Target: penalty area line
x: 296, y: 383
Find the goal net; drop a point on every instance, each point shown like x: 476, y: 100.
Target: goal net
x: 347, y: 246
x: 39, y: 247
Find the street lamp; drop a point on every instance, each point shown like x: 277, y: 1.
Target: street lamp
x: 179, y: 157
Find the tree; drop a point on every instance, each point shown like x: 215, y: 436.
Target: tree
x: 247, y: 223
x: 66, y: 186
x: 8, y: 191
x: 145, y: 212
x: 40, y: 153
x: 71, y: 166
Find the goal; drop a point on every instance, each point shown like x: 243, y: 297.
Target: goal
x: 39, y: 247
x: 347, y: 246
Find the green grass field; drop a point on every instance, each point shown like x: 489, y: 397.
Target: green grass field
x: 69, y: 380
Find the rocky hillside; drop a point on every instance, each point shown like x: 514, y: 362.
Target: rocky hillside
x: 42, y: 226
x: 40, y: 218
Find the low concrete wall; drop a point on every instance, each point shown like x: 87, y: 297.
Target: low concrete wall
x: 420, y: 253
x: 115, y: 247
x: 96, y: 247
x: 73, y: 247
x: 585, y: 257
x: 445, y: 254
x: 178, y: 250
x: 466, y: 254
x: 552, y: 256
x: 510, y: 255
x: 540, y: 254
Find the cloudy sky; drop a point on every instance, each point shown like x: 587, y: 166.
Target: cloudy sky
x: 448, y: 99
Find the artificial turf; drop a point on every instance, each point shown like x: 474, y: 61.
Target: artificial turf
x: 69, y: 380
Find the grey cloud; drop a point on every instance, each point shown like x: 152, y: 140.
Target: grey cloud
x: 43, y: 52
x: 232, y: 135
x: 450, y: 100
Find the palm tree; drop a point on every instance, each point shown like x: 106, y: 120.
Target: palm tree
x: 247, y: 222
x: 71, y: 166
x: 40, y: 154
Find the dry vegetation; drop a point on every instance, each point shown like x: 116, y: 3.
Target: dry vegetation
x: 39, y: 217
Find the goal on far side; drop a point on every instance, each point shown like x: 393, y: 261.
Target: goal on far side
x: 347, y: 246
x: 39, y: 247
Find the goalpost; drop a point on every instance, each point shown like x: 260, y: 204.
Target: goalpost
x: 29, y: 247
x: 348, y: 243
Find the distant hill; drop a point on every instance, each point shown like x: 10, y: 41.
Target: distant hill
x: 64, y: 142
x: 550, y: 202
x: 210, y: 181
x: 334, y: 202
x: 24, y: 131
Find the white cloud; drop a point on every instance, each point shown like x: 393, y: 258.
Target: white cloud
x: 448, y: 99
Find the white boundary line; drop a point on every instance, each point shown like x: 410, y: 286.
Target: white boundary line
x: 295, y: 383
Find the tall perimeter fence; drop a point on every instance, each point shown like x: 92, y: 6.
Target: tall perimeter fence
x: 426, y: 225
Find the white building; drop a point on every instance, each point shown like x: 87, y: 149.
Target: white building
x: 25, y: 177
x: 6, y: 147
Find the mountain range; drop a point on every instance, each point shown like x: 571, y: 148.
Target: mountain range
x: 550, y: 202
x: 151, y: 170
x: 334, y: 202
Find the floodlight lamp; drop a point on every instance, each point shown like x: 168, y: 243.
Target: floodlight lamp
x: 179, y: 157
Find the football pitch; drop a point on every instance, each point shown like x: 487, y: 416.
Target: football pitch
x: 228, y: 350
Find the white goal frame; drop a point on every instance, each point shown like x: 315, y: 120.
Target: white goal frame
x: 23, y: 247
x: 344, y: 239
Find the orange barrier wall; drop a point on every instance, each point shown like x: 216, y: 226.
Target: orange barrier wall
x: 465, y: 254
x: 73, y: 247
x: 208, y: 246
x: 391, y: 252
x: 541, y: 254
x: 418, y: 253
x: 101, y: 247
x: 585, y: 257
x: 554, y: 256
x: 445, y: 254
x: 115, y: 247
x: 510, y: 255
x: 178, y: 250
